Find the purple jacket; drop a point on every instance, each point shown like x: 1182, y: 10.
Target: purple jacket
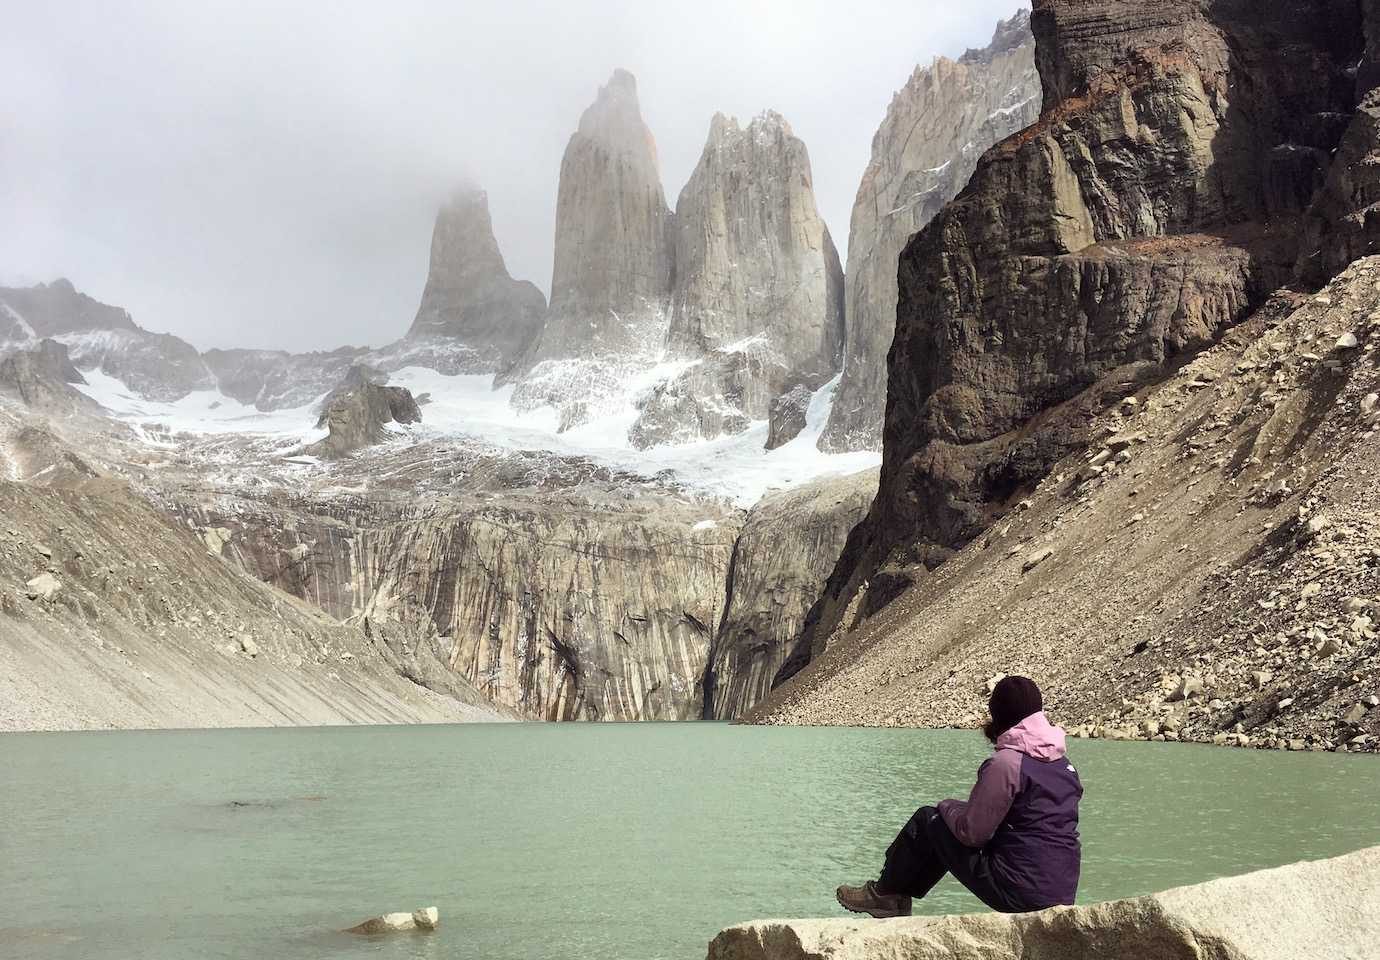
x: 1023, y: 813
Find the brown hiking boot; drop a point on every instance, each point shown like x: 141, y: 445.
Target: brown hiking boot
x: 869, y: 899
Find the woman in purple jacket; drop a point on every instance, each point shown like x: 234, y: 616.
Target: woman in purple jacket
x: 1013, y: 842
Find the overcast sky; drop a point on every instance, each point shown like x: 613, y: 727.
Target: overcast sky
x: 265, y: 174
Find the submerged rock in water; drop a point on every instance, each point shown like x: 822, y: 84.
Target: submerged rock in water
x: 1304, y: 910
x: 424, y: 918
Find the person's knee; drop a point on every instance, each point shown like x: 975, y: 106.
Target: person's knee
x: 918, y: 825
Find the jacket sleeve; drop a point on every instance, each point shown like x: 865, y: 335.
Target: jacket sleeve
x: 975, y: 821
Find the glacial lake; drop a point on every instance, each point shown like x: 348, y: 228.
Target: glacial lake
x: 629, y: 842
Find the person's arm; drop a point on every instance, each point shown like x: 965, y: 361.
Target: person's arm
x: 975, y: 821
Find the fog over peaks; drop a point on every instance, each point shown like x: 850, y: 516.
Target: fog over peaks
x: 265, y: 175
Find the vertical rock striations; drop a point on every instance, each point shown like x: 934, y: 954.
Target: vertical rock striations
x: 1155, y: 202
x: 472, y: 310
x: 757, y: 307
x: 784, y: 553
x: 938, y: 125
x: 611, y: 281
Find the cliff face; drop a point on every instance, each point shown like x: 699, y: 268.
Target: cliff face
x: 938, y: 125
x: 580, y: 604
x: 1344, y: 222
x: 470, y: 301
x: 581, y: 599
x: 785, y: 551
x: 757, y: 306
x: 611, y: 281
x: 1207, y: 569
x: 1154, y: 204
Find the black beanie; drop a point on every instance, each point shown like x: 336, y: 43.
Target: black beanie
x: 1014, y: 699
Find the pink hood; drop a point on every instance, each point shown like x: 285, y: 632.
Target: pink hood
x: 1035, y: 737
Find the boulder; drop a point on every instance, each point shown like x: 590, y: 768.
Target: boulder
x: 425, y: 918
x: 1316, y: 910
x: 43, y: 587
x: 1188, y: 688
x: 1035, y: 559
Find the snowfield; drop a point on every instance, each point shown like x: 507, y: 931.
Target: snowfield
x: 735, y: 468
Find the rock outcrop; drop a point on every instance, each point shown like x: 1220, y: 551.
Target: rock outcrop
x: 157, y: 366
x: 611, y: 281
x: 946, y: 116
x: 1153, y: 205
x: 1316, y: 909
x: 41, y: 376
x: 560, y: 591
x: 785, y: 551
x: 357, y: 412
x: 757, y: 307
x: 472, y: 311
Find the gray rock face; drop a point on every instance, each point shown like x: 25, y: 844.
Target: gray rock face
x: 40, y: 377
x: 946, y: 116
x: 358, y: 412
x: 789, y: 413
x: 610, y: 286
x: 758, y: 298
x: 1304, y: 910
x: 611, y: 282
x: 470, y: 300
x: 582, y: 606
x: 781, y: 559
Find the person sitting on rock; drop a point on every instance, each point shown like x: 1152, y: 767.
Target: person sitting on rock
x: 1013, y: 842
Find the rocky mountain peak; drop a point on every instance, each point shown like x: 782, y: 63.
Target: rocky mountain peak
x: 1011, y: 34
x: 757, y: 302
x: 611, y: 279
x: 613, y: 253
x: 1150, y: 211
x: 937, y: 127
x: 470, y: 298
x: 614, y: 120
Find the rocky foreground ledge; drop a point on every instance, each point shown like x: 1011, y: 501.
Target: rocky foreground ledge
x: 1323, y: 910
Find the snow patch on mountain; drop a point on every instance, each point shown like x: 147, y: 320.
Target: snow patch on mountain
x: 199, y: 412
x: 736, y: 468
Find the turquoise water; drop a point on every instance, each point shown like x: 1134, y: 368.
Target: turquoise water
x: 630, y: 842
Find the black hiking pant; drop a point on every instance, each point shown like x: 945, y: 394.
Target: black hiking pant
x: 926, y: 849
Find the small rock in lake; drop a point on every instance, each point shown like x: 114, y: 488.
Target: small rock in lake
x: 424, y: 918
